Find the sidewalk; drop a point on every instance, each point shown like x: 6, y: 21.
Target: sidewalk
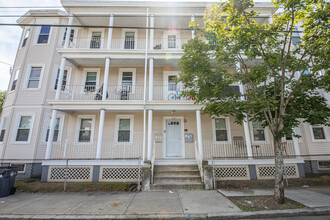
x: 141, y: 205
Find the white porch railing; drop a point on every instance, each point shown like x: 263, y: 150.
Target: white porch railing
x: 171, y: 92
x: 199, y: 160
x: 72, y: 149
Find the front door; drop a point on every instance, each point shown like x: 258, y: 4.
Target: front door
x: 173, y: 138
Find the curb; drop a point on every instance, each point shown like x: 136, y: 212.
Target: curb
x: 243, y: 215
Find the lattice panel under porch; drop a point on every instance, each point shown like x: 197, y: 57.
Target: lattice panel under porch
x: 268, y: 171
x: 119, y: 174
x: 74, y: 173
x: 232, y: 172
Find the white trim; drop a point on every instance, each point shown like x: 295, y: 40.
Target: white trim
x: 28, y: 73
x: 62, y: 35
x: 11, y: 164
x: 131, y: 117
x: 68, y: 77
x: 178, y: 40
x: 166, y: 74
x: 16, y: 125
x: 60, y: 127
x: 90, y: 162
x: 320, y: 168
x: 227, y: 121
x: 183, y: 147
x: 1, y: 126
x: 27, y: 28
x: 78, y: 123
x: 120, y: 77
x: 123, y: 32
x: 12, y: 79
x: 90, y: 31
x: 252, y: 134
x: 35, y: 42
x: 254, y: 161
x: 84, y: 75
x: 325, y: 130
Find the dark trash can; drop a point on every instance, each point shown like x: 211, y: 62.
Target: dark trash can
x: 7, y: 180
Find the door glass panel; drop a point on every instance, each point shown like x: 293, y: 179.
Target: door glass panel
x: 172, y: 83
x: 96, y: 39
x: 129, y: 40
x: 171, y: 39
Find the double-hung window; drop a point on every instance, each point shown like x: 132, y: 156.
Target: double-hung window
x: 26, y: 37
x: 295, y: 36
x: 15, y: 77
x: 90, y: 82
x: 318, y: 132
x: 34, y: 78
x: 44, y: 35
x: 24, y: 128
x: 56, y: 130
x: 3, y: 128
x: 85, y: 130
x: 124, y: 130
x: 258, y: 131
x: 221, y: 133
x: 65, y: 76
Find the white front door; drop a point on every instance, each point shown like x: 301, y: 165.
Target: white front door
x: 173, y: 138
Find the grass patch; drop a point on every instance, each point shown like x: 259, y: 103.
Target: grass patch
x: 311, y: 180
x: 33, y: 185
x: 263, y: 203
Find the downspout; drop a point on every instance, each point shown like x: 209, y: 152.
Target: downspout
x: 145, y: 88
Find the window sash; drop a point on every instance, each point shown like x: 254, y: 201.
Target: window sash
x: 34, y: 77
x: 26, y: 36
x: 44, y: 35
x: 258, y: 132
x: 85, y: 130
x: 318, y: 133
x: 2, y: 134
x: 64, y: 79
x: 129, y: 40
x: 221, y: 133
x: 171, y: 40
x: 13, y: 85
x: 124, y: 130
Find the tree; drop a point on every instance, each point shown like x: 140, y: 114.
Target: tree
x: 281, y: 87
x: 2, y: 99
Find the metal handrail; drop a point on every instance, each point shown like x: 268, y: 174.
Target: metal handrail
x: 199, y: 160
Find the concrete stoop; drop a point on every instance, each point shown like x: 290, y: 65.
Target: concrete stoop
x: 174, y: 177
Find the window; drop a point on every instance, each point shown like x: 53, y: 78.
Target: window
x: 65, y: 76
x: 26, y: 36
x: 85, y: 130
x: 56, y: 130
x: 15, y: 77
x: 21, y: 167
x: 258, y: 132
x: 96, y: 39
x: 172, y: 85
x: 129, y: 40
x: 34, y: 78
x: 3, y: 128
x: 71, y: 36
x: 171, y: 39
x: 212, y: 38
x: 43, y: 35
x: 24, y: 127
x: 124, y: 130
x: 220, y: 129
x: 90, y: 82
x: 295, y: 36
x: 318, y: 132
x: 288, y: 137
x: 231, y: 90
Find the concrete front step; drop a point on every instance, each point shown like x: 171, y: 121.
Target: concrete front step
x: 176, y: 173
x: 176, y: 168
x: 177, y: 179
x: 176, y: 186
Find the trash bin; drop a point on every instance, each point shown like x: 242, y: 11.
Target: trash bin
x: 7, y: 179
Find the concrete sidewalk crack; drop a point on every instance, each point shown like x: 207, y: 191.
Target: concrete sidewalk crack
x: 129, y: 204
x: 181, y: 203
x: 76, y: 206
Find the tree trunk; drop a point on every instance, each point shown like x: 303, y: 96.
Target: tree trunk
x: 279, y: 173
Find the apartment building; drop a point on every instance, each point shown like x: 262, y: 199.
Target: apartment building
x: 95, y: 84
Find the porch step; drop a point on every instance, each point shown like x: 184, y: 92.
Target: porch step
x: 176, y: 186
x: 173, y: 177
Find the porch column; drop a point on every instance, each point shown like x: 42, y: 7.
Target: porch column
x: 110, y: 32
x: 151, y: 79
x: 245, y: 121
x: 192, y: 31
x: 149, y: 134
x: 58, y: 92
x: 296, y: 145
x: 199, y: 132
x: 106, y: 78
x: 100, y: 135
x: 152, y: 32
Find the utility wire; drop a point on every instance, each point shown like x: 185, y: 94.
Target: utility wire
x: 5, y: 63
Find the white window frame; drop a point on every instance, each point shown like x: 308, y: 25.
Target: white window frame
x: 120, y: 77
x: 1, y: 126
x: 118, y: 117
x: 227, y: 121
x: 37, y: 36
x: 60, y: 127
x: 23, y: 37
x: 16, y: 125
x: 178, y: 39
x: 27, y: 76
x: 123, y: 32
x: 13, y: 164
x: 90, y: 31
x: 97, y: 86
x: 12, y: 80
x: 252, y: 134
x: 74, y: 37
x: 79, y: 117
x: 296, y: 131
x: 68, y: 77
x: 325, y: 130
